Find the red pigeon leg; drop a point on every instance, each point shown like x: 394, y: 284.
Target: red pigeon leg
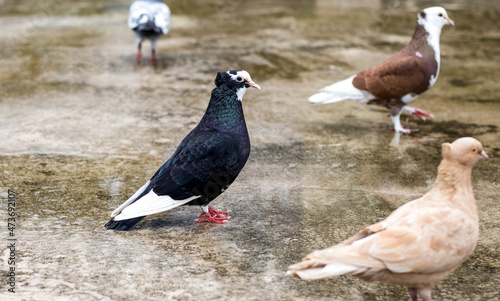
x: 138, y: 56
x: 213, y: 216
x: 217, y: 213
x: 418, y: 113
x: 413, y: 294
x: 153, y: 57
x: 397, y: 124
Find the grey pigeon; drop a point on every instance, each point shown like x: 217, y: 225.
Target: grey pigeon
x: 149, y: 19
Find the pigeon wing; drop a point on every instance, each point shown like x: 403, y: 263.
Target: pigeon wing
x: 143, y: 11
x: 435, y: 240
x: 393, y: 78
x: 136, y: 11
x: 162, y: 17
x: 205, y: 164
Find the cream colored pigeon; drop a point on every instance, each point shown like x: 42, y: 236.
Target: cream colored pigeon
x: 421, y: 242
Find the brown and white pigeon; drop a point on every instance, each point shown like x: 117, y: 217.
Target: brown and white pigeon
x: 421, y: 242
x: 401, y: 78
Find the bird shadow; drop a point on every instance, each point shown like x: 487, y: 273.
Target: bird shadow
x: 345, y: 128
x: 454, y: 128
x: 179, y: 218
x: 156, y: 66
x: 449, y: 130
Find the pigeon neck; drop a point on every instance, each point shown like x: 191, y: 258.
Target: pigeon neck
x: 431, y: 28
x: 433, y: 33
x: 455, y: 178
x: 224, y: 112
x: 422, y: 37
x: 425, y: 43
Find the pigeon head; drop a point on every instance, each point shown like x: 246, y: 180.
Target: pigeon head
x: 237, y: 80
x: 434, y: 18
x: 466, y: 151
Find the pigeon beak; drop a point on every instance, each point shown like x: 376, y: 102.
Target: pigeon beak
x: 253, y: 84
x: 450, y: 21
x: 484, y: 155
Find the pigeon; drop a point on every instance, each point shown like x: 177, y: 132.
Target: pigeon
x: 149, y: 19
x: 421, y: 242
x: 204, y: 164
x: 401, y: 78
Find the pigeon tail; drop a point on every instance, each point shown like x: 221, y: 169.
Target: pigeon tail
x: 137, y: 195
x: 124, y: 225
x: 149, y: 28
x: 162, y: 23
x: 156, y: 13
x: 339, y: 91
x: 144, y: 202
x: 149, y: 203
x: 306, y: 271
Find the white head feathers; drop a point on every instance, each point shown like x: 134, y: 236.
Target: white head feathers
x: 433, y: 19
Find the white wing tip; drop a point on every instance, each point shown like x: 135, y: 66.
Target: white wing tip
x: 328, y: 270
x: 151, y: 203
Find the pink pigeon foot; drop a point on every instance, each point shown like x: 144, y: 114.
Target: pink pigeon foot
x: 419, y: 114
x: 213, y: 216
x: 138, y: 56
x: 406, y: 130
x: 413, y: 294
x: 154, y: 58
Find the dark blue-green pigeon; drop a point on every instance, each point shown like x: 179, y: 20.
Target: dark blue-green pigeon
x: 206, y: 162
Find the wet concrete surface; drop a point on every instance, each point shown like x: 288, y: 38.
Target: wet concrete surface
x: 82, y: 127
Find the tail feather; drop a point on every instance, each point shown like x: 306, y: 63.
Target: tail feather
x: 149, y: 28
x: 311, y: 270
x: 137, y: 195
x: 123, y: 225
x: 335, y: 261
x: 144, y: 202
x: 339, y: 91
x: 127, y: 224
x: 150, y: 203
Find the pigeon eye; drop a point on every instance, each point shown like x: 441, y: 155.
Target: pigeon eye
x: 239, y: 78
x: 473, y: 150
x: 440, y: 14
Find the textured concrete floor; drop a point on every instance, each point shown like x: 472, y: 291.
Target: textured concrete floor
x: 82, y: 127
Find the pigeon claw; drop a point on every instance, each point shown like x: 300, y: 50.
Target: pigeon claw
x: 213, y: 216
x: 406, y: 130
x: 409, y: 131
x: 413, y: 294
x: 154, y: 58
x: 138, y: 56
x: 419, y: 114
x: 213, y: 219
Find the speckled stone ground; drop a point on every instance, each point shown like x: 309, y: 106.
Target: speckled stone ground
x: 82, y: 127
